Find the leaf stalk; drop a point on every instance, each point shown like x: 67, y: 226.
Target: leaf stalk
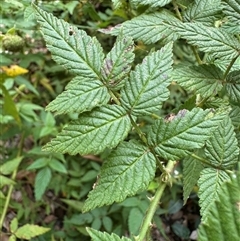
x: 229, y: 67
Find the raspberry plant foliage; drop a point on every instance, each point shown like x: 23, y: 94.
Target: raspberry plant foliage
x: 110, y: 96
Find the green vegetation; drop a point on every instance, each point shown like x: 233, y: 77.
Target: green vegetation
x: 127, y: 118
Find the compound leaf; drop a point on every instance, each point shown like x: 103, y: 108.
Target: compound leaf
x: 217, y: 43
x: 70, y: 47
x: 232, y: 10
x: 222, y: 148
x: 146, y: 88
x: 210, y: 183
x: 188, y: 130
x: 120, y: 176
x: 81, y: 94
x: 117, y: 63
x: 148, y: 28
x: 233, y: 86
x: 191, y: 173
x: 93, y: 132
x: 204, y: 11
x: 223, y: 221
x: 205, y: 80
x: 103, y: 236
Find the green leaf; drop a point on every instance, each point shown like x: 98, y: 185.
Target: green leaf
x: 231, y: 28
x: 146, y: 88
x: 42, y: 180
x: 14, y: 225
x: 102, y: 236
x: 205, y: 80
x: 233, y: 86
x: 191, y: 173
x: 235, y: 116
x: 57, y: 166
x: 204, y: 11
x: 29, y: 14
x: 6, y: 181
x: 210, y: 183
x: 120, y: 176
x: 81, y: 94
x: 107, y: 223
x: 222, y: 148
x: 75, y: 204
x: 9, y: 107
x: 10, y: 166
x: 148, y: 28
x: 151, y: 3
x: 223, y: 222
x: 117, y: 3
x: 232, y: 10
x: 135, y: 220
x: 29, y: 231
x: 97, y: 223
x: 93, y: 132
x: 39, y: 163
x: 180, y: 230
x: 70, y: 6
x: 188, y: 130
x: 117, y: 63
x: 70, y: 47
x: 217, y: 43
x: 12, y: 238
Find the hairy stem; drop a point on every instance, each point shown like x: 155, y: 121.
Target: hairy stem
x: 153, y: 206
x: 229, y: 67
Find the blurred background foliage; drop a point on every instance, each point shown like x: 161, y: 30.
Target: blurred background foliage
x: 49, y: 189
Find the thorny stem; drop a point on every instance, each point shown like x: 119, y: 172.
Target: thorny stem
x: 153, y: 206
x: 114, y: 98
x: 9, y: 194
x: 138, y: 130
x: 144, y: 140
x: 229, y: 67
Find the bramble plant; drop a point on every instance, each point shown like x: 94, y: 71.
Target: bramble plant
x: 110, y: 95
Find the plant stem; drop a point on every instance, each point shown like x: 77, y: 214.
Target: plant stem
x: 153, y: 206
x: 114, y: 98
x: 229, y: 67
x: 144, y: 140
x: 196, y: 55
x: 9, y: 194
x: 138, y: 130
x: 177, y: 10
